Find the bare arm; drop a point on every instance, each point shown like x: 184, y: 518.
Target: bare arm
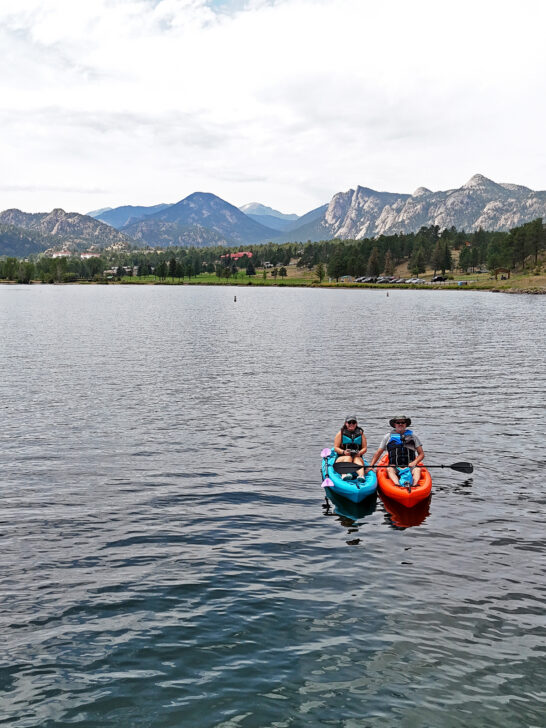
x: 337, y: 444
x: 377, y: 455
x: 419, y: 459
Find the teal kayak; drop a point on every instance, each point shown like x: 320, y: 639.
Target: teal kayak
x: 352, y: 490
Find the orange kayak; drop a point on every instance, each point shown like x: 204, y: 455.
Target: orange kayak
x: 401, y: 494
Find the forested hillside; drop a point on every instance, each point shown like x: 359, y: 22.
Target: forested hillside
x: 522, y: 248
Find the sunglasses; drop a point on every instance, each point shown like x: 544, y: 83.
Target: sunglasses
x: 400, y: 422
x: 351, y: 422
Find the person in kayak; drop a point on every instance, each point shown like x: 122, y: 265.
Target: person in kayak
x: 350, y: 444
x: 404, y: 448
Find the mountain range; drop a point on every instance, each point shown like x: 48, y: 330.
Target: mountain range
x: 356, y: 213
x: 480, y: 203
x: 203, y: 219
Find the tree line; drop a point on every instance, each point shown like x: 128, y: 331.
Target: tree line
x: 520, y: 248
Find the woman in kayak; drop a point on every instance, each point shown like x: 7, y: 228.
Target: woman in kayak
x: 350, y: 444
x: 404, y: 448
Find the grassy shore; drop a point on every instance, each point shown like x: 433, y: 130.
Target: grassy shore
x: 304, y: 278
x: 297, y: 277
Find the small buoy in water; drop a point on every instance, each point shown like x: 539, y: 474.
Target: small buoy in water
x: 235, y: 299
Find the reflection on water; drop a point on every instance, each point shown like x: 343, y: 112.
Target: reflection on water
x: 347, y: 509
x: 165, y: 558
x: 401, y: 517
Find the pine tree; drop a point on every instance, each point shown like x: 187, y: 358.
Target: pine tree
x: 465, y: 259
x: 447, y: 261
x: 417, y: 262
x: 536, y: 235
x: 320, y: 272
x: 388, y: 268
x: 438, y: 256
x: 373, y: 263
x: 161, y: 270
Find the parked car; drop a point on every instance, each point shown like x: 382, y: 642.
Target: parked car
x: 439, y: 279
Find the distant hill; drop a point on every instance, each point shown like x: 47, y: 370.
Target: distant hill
x: 96, y: 213
x: 275, y: 223
x: 166, y: 234
x: 20, y: 243
x: 307, y: 227
x: 119, y: 217
x: 269, y: 217
x: 69, y: 230
x: 199, y: 212
x: 256, y: 208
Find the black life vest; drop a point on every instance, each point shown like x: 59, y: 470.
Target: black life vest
x: 401, y: 449
x: 351, y: 440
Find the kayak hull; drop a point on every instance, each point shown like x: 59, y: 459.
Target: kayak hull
x: 349, y: 489
x: 352, y: 511
x: 401, y: 494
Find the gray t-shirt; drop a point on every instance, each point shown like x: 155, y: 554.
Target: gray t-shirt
x: 416, y: 441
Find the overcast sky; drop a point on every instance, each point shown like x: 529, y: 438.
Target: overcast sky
x: 284, y: 102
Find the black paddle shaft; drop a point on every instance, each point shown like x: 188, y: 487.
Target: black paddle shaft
x: 345, y: 467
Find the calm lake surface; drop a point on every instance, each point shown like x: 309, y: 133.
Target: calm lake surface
x: 166, y: 557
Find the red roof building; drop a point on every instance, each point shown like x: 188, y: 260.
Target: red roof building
x: 236, y: 256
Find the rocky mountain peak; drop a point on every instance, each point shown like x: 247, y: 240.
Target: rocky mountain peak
x: 479, y: 181
x: 420, y: 191
x: 515, y: 188
x: 481, y: 202
x: 70, y: 229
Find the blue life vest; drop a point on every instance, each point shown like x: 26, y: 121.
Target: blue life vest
x: 351, y: 440
x: 401, y: 449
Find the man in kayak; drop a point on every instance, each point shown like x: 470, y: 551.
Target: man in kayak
x: 350, y: 444
x: 404, y: 448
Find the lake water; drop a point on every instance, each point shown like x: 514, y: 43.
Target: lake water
x: 166, y: 557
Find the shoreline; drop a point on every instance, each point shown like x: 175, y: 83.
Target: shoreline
x: 532, y: 291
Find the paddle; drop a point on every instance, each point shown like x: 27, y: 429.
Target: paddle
x: 345, y: 467
x: 327, y: 483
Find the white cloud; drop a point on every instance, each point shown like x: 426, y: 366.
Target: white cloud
x: 286, y: 101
